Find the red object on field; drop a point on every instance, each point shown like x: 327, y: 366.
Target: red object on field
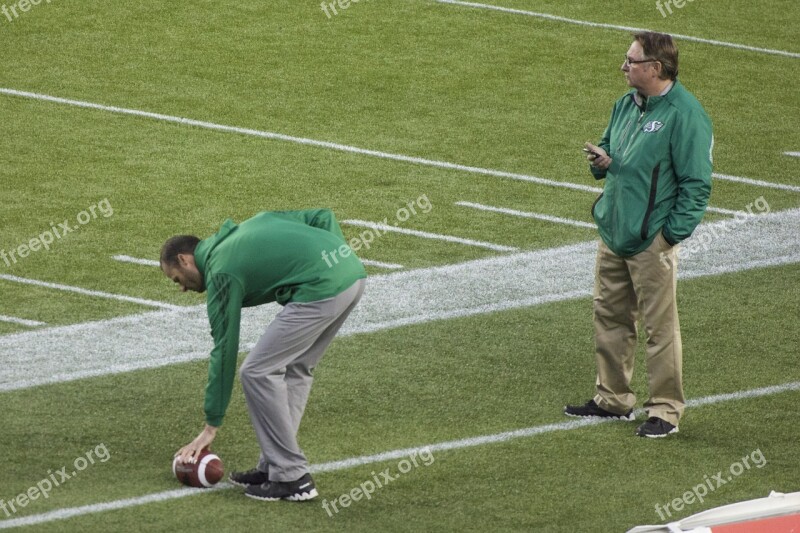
x: 206, y: 472
x: 778, y: 524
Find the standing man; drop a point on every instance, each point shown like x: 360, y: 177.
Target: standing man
x: 274, y: 256
x: 656, y: 157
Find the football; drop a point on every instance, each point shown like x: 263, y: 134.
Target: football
x: 206, y: 472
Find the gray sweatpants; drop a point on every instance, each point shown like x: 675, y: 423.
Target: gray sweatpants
x: 276, y: 377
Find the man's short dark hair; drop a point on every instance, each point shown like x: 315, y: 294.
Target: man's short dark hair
x: 661, y: 47
x: 179, y: 244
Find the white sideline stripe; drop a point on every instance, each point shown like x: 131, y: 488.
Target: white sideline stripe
x: 150, y: 262
x: 501, y: 282
x: 135, y: 260
x: 21, y: 321
x: 792, y: 154
x: 616, y: 27
x: 426, y: 235
x: 302, y: 140
x: 527, y: 214
x: 87, y: 292
x: 759, y: 183
x: 381, y: 264
x: 332, y: 466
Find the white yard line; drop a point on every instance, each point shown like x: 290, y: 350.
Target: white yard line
x: 21, y: 321
x: 135, y: 260
x: 498, y: 283
x: 379, y: 226
x: 629, y: 29
x: 87, y: 292
x: 758, y: 183
x: 381, y: 264
x: 301, y: 140
x: 339, y: 147
x: 527, y: 214
x: 391, y: 455
x: 150, y: 262
x: 723, y: 211
x: 792, y: 154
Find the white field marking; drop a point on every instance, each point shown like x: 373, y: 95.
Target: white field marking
x: 63, y: 514
x: 759, y: 183
x: 381, y: 264
x: 302, y: 140
x: 616, y: 27
x: 391, y: 455
x: 723, y: 211
x: 150, y: 262
x: 527, y: 214
x: 426, y: 235
x: 569, y: 221
x: 313, y: 142
x: 792, y: 154
x: 21, y: 321
x: 87, y: 292
x: 498, y: 283
x: 136, y: 260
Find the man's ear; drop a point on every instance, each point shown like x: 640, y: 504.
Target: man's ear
x: 185, y: 260
x: 658, y: 69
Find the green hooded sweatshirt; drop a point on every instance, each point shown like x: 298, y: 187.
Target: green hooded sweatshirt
x: 660, y: 177
x: 276, y: 256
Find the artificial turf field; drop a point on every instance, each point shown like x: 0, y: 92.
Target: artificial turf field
x: 423, y: 99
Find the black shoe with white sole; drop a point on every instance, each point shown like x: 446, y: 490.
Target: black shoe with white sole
x: 251, y: 478
x: 295, y: 491
x: 656, y: 428
x: 591, y: 409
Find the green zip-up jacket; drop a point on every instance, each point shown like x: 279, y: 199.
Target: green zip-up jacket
x: 660, y: 176
x: 276, y: 256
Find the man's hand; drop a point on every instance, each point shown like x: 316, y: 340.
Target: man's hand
x: 602, y: 160
x: 189, y: 453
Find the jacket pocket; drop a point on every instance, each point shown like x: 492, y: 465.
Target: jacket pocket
x: 595, y: 203
x: 651, y: 201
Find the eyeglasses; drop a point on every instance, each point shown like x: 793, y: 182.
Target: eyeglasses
x: 629, y: 61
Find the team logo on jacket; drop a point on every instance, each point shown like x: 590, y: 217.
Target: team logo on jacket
x: 652, y: 126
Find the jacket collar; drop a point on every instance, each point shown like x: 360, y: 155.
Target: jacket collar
x: 652, y: 101
x: 206, y: 246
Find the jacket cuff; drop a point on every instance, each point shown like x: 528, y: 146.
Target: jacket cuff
x: 215, y: 421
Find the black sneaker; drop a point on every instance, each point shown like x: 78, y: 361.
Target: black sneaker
x: 591, y: 409
x: 251, y: 478
x: 656, y: 428
x: 295, y: 491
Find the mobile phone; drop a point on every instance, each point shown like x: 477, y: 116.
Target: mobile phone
x: 591, y: 152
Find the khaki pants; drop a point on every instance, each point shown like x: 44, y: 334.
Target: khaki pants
x: 625, y: 288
